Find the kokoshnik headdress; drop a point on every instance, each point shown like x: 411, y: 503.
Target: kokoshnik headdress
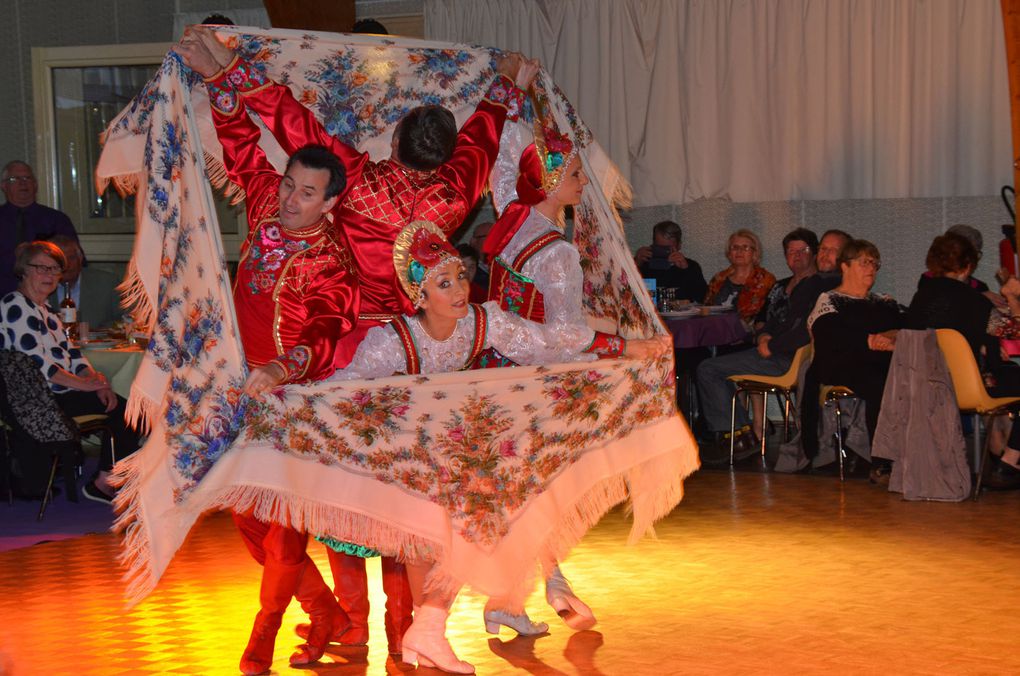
x: 420, y: 249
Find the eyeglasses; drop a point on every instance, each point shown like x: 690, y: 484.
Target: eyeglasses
x: 741, y: 247
x: 11, y: 180
x: 868, y: 263
x: 46, y: 269
x: 806, y: 251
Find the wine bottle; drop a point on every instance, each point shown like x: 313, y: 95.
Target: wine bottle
x: 69, y: 313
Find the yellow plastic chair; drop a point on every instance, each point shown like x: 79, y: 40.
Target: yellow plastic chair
x: 971, y: 395
x: 781, y: 386
x: 833, y: 394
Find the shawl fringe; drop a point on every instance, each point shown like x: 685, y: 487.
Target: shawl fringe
x: 217, y: 174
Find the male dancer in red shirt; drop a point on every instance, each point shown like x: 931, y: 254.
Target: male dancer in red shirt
x: 296, y: 294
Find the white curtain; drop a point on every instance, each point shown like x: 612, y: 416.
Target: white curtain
x: 760, y: 100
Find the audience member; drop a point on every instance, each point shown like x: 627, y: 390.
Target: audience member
x: 469, y: 256
x: 93, y: 288
x: 851, y: 328
x: 29, y: 325
x: 744, y: 283
x: 829, y: 247
x: 665, y: 262
x: 477, y: 242
x: 946, y: 299
x: 22, y: 219
x: 972, y: 235
x: 783, y: 332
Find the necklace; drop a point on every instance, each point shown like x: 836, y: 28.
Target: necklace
x: 430, y: 336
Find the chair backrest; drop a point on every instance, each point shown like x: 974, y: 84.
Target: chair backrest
x: 803, y: 354
x: 963, y: 368
x: 28, y: 404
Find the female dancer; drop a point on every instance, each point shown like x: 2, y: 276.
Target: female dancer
x: 447, y: 334
x: 536, y: 273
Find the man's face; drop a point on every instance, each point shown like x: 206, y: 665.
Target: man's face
x: 828, y: 252
x: 20, y: 187
x: 303, y: 197
x: 659, y: 239
x: 480, y: 234
x: 72, y: 252
x: 799, y: 257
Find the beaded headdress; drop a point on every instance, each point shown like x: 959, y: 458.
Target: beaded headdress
x: 420, y: 249
x: 555, y: 152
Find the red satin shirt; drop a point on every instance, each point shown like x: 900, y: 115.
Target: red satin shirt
x: 382, y: 197
x: 296, y: 294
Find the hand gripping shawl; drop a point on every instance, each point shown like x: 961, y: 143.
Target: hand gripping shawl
x: 490, y: 473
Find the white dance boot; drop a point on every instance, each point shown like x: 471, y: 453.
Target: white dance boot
x: 560, y: 596
x: 425, y: 642
x: 522, y: 624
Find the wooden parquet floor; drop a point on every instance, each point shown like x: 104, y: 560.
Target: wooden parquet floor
x: 752, y: 574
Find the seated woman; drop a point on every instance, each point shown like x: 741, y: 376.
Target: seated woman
x: 29, y: 325
x: 946, y: 299
x: 744, y: 283
x: 851, y: 329
x: 446, y: 334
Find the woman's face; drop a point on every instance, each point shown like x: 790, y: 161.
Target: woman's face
x: 445, y: 292
x: 42, y: 275
x: 861, y: 271
x: 574, y: 180
x: 470, y: 267
x: 741, y: 251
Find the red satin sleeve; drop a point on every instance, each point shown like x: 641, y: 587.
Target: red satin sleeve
x: 315, y: 320
x: 467, y: 172
x: 293, y: 125
x: 245, y: 162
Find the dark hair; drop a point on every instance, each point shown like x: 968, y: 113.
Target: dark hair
x: 856, y: 248
x: 801, y: 235
x: 950, y: 253
x: 426, y: 137
x: 26, y: 251
x: 218, y: 20
x: 669, y: 229
x: 315, y: 156
x: 369, y: 26
x: 467, y: 251
x: 839, y: 233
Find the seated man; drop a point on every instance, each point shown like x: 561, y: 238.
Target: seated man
x: 829, y: 247
x: 664, y: 262
x: 783, y: 331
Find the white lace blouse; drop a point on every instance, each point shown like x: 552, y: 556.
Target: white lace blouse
x: 381, y: 353
x: 556, y: 269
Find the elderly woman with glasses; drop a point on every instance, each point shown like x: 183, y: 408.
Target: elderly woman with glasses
x: 852, y: 331
x: 28, y: 324
x: 744, y: 283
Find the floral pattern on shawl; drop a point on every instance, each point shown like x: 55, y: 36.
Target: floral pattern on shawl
x: 608, y: 293
x: 753, y: 294
x: 481, y: 460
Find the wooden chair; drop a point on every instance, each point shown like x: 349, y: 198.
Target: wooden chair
x: 781, y: 386
x: 971, y: 395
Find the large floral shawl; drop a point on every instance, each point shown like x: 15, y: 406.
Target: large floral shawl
x: 487, y: 472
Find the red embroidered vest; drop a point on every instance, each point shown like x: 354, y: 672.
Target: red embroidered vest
x: 515, y: 292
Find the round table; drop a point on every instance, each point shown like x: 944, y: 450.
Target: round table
x: 711, y: 330
x: 118, y: 364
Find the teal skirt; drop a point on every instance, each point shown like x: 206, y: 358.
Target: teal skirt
x: 347, y: 547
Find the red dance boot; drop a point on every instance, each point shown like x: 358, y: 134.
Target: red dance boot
x: 279, y: 582
x: 329, y: 621
x: 351, y: 588
x: 398, y: 603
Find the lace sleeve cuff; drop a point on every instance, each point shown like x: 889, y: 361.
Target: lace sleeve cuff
x: 504, y: 92
x: 606, y: 345
x: 294, y: 362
